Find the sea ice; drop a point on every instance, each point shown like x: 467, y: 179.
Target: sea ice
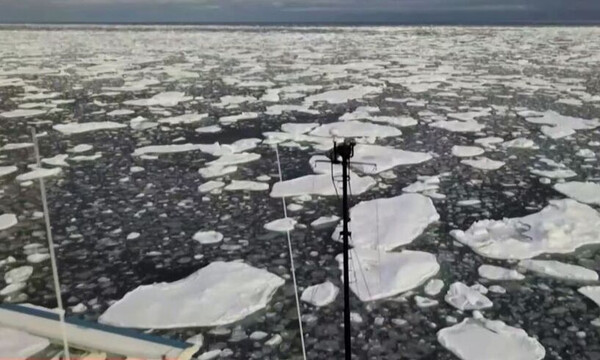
x: 210, y: 172
x: 466, y: 151
x: 458, y: 126
x: 484, y: 163
x: 17, y: 146
x: 78, y: 128
x: 592, y: 292
x: 385, y: 274
x: 183, y: 119
x: 377, y: 158
x: 342, y: 96
x: 282, y: 225
x: 39, y: 173
x: 560, y: 227
x: 492, y: 272
x: 585, y: 192
x: 7, y: 170
x: 246, y: 185
x: 22, y: 113
x: 18, y: 275
x: 208, y: 237
x: 321, y: 294
x: 480, y: 338
x: 165, y: 99
x: 319, y: 185
x: 385, y: 224
x: 210, y: 186
x: 355, y: 129
x: 218, y: 294
x: 463, y: 297
x: 7, y: 221
x: 231, y: 119
x: 559, y: 270
x: 325, y: 222
x: 433, y: 287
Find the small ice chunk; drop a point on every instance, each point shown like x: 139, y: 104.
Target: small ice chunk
x: 463, y: 297
x: 210, y: 355
x: 58, y: 160
x: 274, y: 341
x: 17, y: 146
x: 355, y: 129
x: 7, y: 221
x: 497, y: 289
x: 246, y: 185
x: 520, y: 143
x: 484, y: 163
x: 281, y: 225
x: 468, y: 202
x: 211, y: 129
x: 592, y: 292
x: 434, y: 286
x: 132, y: 236
x: 81, y: 148
x: 489, y: 141
x: 321, y: 294
x: 555, y: 173
x: 120, y: 112
x: 79, y: 308
x: 136, y: 169
x: 208, y: 237
x: 492, y: 272
x: 231, y: 119
x: 470, y: 126
x: 425, y: 302
x: 385, y: 274
x: 37, y: 258
x: 294, y: 207
x: 325, y: 222
x: 183, y: 119
x: 12, y: 288
x: 210, y: 186
x: 218, y: 294
x: 480, y: 338
x: 258, y: 335
x: 559, y: 270
x: 216, y: 171
x: 585, y: 192
x: 466, y: 151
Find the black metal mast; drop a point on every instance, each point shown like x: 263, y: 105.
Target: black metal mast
x: 344, y: 152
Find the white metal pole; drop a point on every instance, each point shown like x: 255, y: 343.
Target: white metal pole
x: 61, y: 313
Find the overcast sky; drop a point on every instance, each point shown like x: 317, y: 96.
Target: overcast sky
x: 302, y: 11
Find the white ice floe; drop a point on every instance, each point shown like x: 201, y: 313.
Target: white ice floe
x: 489, y: 142
x: 210, y: 186
x: 321, y: 294
x: 468, y: 202
x: 210, y: 172
x: 355, y: 129
x: 246, y: 185
x: 7, y: 170
x: 229, y: 100
x: 234, y: 159
x: 320, y: 185
x: 120, y: 112
x: 560, y: 227
x: 165, y: 99
x: 22, y: 113
x: 385, y: 274
x: 281, y: 108
x: 298, y: 128
x: 342, y: 96
x: 208, y: 237
x: 492, y: 272
x: 282, y: 225
x: 18, y: 275
x: 463, y: 297
x: 555, y: 173
x: 7, y: 221
x: 58, y: 160
x: 433, y: 287
x: 560, y: 125
x: 385, y: 224
x: 218, y: 294
x: 586, y: 153
x: 81, y: 158
x: 398, y: 121
x: 520, y: 143
x: 430, y: 183
x: 183, y: 119
x: 592, y: 292
x: 13, y: 288
x: 39, y: 173
x: 231, y: 119
x: 37, y: 258
x: 377, y: 158
x: 325, y: 222
x: 478, y: 338
x: 458, y: 126
x: 16, y: 344
x: 585, y: 192
x: 559, y: 270
x: 211, y: 129
x: 425, y: 302
x: 557, y: 132
x: 78, y: 128
x: 141, y: 123
x: 466, y: 151
x: 17, y: 146
x: 168, y: 149
x: 484, y: 163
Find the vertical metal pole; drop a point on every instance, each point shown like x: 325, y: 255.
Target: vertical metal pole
x: 61, y: 313
x: 345, y: 235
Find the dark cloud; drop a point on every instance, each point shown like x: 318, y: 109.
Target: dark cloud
x: 305, y: 11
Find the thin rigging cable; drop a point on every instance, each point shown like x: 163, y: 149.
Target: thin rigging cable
x: 293, y: 268
x: 61, y: 313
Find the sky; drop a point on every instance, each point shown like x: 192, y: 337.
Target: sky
x: 303, y: 11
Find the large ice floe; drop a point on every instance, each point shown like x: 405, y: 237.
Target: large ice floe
x: 16, y: 344
x: 383, y: 274
x: 492, y: 272
x: 165, y: 99
x: 559, y: 270
x: 463, y: 297
x: 373, y: 159
x: 22, y: 113
x: 559, y: 125
x: 355, y: 129
x: 561, y: 227
x: 320, y: 185
x: 478, y: 338
x: 218, y: 294
x: 78, y: 128
x: 585, y: 192
x: 385, y: 224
